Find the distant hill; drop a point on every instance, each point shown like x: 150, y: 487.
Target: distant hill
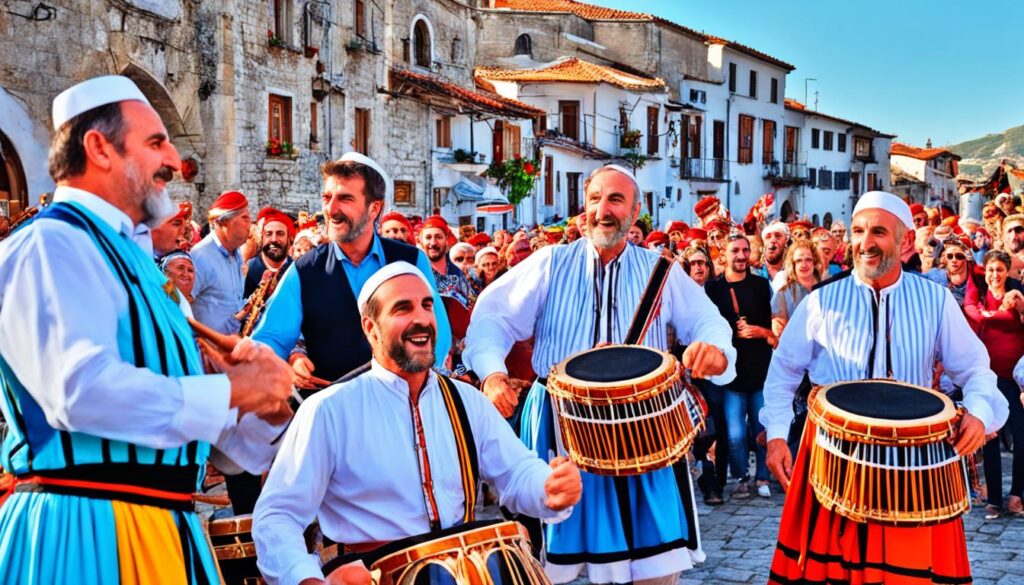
x: 982, y: 154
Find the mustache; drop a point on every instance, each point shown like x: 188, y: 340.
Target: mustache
x: 341, y: 218
x: 165, y: 174
x: 420, y: 330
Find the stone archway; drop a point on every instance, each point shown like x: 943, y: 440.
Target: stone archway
x: 786, y: 210
x: 13, y: 185
x: 23, y: 153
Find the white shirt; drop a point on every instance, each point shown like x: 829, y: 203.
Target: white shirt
x: 349, y: 460
x: 59, y: 307
x: 830, y: 336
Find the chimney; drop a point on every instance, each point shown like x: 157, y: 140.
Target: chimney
x: 928, y: 144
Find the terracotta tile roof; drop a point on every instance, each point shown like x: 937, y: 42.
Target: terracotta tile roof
x: 424, y: 86
x: 792, y: 104
x: 900, y: 149
x: 593, y: 12
x: 572, y: 70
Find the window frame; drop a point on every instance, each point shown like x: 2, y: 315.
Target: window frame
x: 415, y: 46
x: 840, y: 142
x: 732, y: 77
x: 652, y: 130
x: 768, y: 141
x: 828, y: 140
x: 815, y: 138
x: 285, y: 129
x: 362, y: 127
x: 775, y: 90
x: 359, y: 18
x: 562, y: 125
x: 745, y: 133
x: 753, y: 84
x: 443, y: 132
x: 405, y: 193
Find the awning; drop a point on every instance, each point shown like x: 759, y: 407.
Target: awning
x: 467, y: 191
x: 495, y: 208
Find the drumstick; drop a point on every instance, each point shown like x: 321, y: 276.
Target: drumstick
x: 212, y: 340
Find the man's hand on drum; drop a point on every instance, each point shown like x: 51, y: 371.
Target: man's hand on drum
x: 260, y: 381
x: 704, y: 360
x: 970, y: 436
x: 564, y: 486
x: 780, y: 461
x: 503, y: 392
x: 354, y: 573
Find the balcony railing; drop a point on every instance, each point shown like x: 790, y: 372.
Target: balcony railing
x: 786, y: 171
x: 703, y: 168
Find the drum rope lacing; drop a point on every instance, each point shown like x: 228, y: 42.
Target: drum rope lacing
x: 680, y: 396
x: 833, y: 446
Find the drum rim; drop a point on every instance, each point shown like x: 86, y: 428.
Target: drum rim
x: 827, y: 413
x: 650, y: 383
x: 231, y: 525
x: 500, y: 533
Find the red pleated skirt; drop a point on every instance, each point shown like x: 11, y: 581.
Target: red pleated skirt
x: 817, y: 545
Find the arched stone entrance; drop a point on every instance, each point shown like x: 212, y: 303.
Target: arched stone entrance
x: 24, y: 174
x: 786, y: 210
x: 13, y: 185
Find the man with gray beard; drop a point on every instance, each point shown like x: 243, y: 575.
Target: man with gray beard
x: 317, y: 296
x: 1013, y: 243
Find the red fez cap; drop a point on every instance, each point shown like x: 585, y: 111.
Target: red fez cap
x: 310, y: 224
x: 270, y: 214
x: 916, y: 208
x: 950, y: 220
x: 227, y: 202
x: 480, y: 239
x: 677, y: 226
x: 717, y: 225
x: 435, y: 221
x: 705, y: 205
x: 697, y: 234
x: 820, y: 230
x: 396, y: 216
x: 184, y: 211
x: 656, y: 237
x: 801, y: 223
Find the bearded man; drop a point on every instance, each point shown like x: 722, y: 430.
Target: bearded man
x: 317, y: 298
x: 449, y: 279
x: 775, y: 237
x: 277, y: 231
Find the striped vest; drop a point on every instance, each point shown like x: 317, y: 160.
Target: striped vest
x: 568, y: 323
x: 152, y: 333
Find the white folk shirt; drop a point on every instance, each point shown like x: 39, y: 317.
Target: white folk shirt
x: 831, y: 336
x: 59, y: 307
x: 349, y: 459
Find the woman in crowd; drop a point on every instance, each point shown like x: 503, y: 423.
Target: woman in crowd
x: 177, y: 267
x: 994, y: 310
x: 954, y: 270
x: 463, y: 255
x: 487, y: 269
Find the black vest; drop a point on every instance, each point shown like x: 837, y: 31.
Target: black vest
x: 330, y: 318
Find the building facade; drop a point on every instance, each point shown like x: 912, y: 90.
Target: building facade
x: 925, y: 175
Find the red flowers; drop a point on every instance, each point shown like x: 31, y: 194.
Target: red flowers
x: 529, y: 168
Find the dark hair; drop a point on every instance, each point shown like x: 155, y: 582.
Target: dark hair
x: 374, y: 189
x: 67, y: 148
x: 997, y: 255
x: 372, y: 309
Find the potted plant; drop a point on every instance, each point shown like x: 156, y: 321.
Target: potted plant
x: 274, y: 40
x: 515, y: 176
x: 630, y: 138
x: 281, y: 148
x: 462, y: 155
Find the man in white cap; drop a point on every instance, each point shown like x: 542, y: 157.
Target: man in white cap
x: 830, y: 337
x: 775, y: 238
x: 569, y: 299
x: 110, y: 418
x: 355, y: 459
x: 316, y: 298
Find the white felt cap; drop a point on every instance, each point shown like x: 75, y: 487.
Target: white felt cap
x: 365, y: 160
x: 885, y: 202
x: 385, y: 274
x: 775, y: 226
x: 93, y: 93
x: 485, y: 251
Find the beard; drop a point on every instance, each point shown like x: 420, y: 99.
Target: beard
x: 356, y: 227
x: 604, y: 239
x: 773, y: 256
x: 156, y: 204
x: 434, y: 253
x: 418, y: 360
x: 274, y: 251
x: 887, y: 263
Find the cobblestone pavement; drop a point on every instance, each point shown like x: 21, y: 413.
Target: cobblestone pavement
x: 739, y: 540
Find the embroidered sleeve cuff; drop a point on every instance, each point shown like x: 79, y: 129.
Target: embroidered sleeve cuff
x: 206, y: 410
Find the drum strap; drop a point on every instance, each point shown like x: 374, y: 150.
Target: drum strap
x: 650, y: 302
x: 464, y: 443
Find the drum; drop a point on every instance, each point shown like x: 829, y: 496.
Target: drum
x: 881, y: 453
x: 489, y: 552
x: 234, y: 550
x: 623, y: 409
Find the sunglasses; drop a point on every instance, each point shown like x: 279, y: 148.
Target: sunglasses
x: 955, y: 257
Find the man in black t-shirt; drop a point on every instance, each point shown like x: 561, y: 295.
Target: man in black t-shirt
x: 744, y: 299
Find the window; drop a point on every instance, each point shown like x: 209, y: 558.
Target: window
x: 405, y: 193
x: 815, y: 138
x: 768, y: 142
x: 695, y: 134
x: 421, y: 44
x: 753, y: 84
x: 549, y: 183
x: 732, y: 78
x: 745, y: 148
x: 506, y: 140
x: 855, y: 183
x: 718, y: 138
x: 775, y: 90
x: 361, y: 140
x: 828, y: 139
x: 314, y: 122
x: 524, y: 45
x: 792, y: 135
x: 569, y: 119
x: 444, y: 132
x: 824, y: 179
x: 812, y: 177
x: 540, y: 125
x: 861, y: 147
x: 841, y: 181
x: 841, y: 146
x: 652, y: 130
x: 280, y: 20
x: 439, y: 196
x: 873, y: 183
x: 360, y: 18
x: 280, y: 119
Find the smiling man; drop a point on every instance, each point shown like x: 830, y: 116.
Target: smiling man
x: 569, y: 299
x: 357, y: 454
x: 829, y: 336
x: 449, y: 279
x: 317, y: 297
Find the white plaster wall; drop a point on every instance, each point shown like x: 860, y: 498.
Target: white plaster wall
x: 30, y: 140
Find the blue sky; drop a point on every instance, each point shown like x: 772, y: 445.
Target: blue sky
x: 946, y: 70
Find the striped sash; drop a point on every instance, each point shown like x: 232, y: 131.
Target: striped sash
x: 464, y: 443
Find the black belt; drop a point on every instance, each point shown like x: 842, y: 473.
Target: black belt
x: 163, y: 486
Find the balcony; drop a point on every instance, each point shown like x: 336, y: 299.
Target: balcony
x: 711, y: 169
x: 785, y: 174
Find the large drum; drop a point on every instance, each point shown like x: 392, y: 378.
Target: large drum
x: 623, y: 409
x: 234, y: 549
x: 881, y: 453
x: 490, y: 552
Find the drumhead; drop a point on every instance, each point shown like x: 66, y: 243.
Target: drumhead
x: 614, y: 363
x: 885, y: 400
